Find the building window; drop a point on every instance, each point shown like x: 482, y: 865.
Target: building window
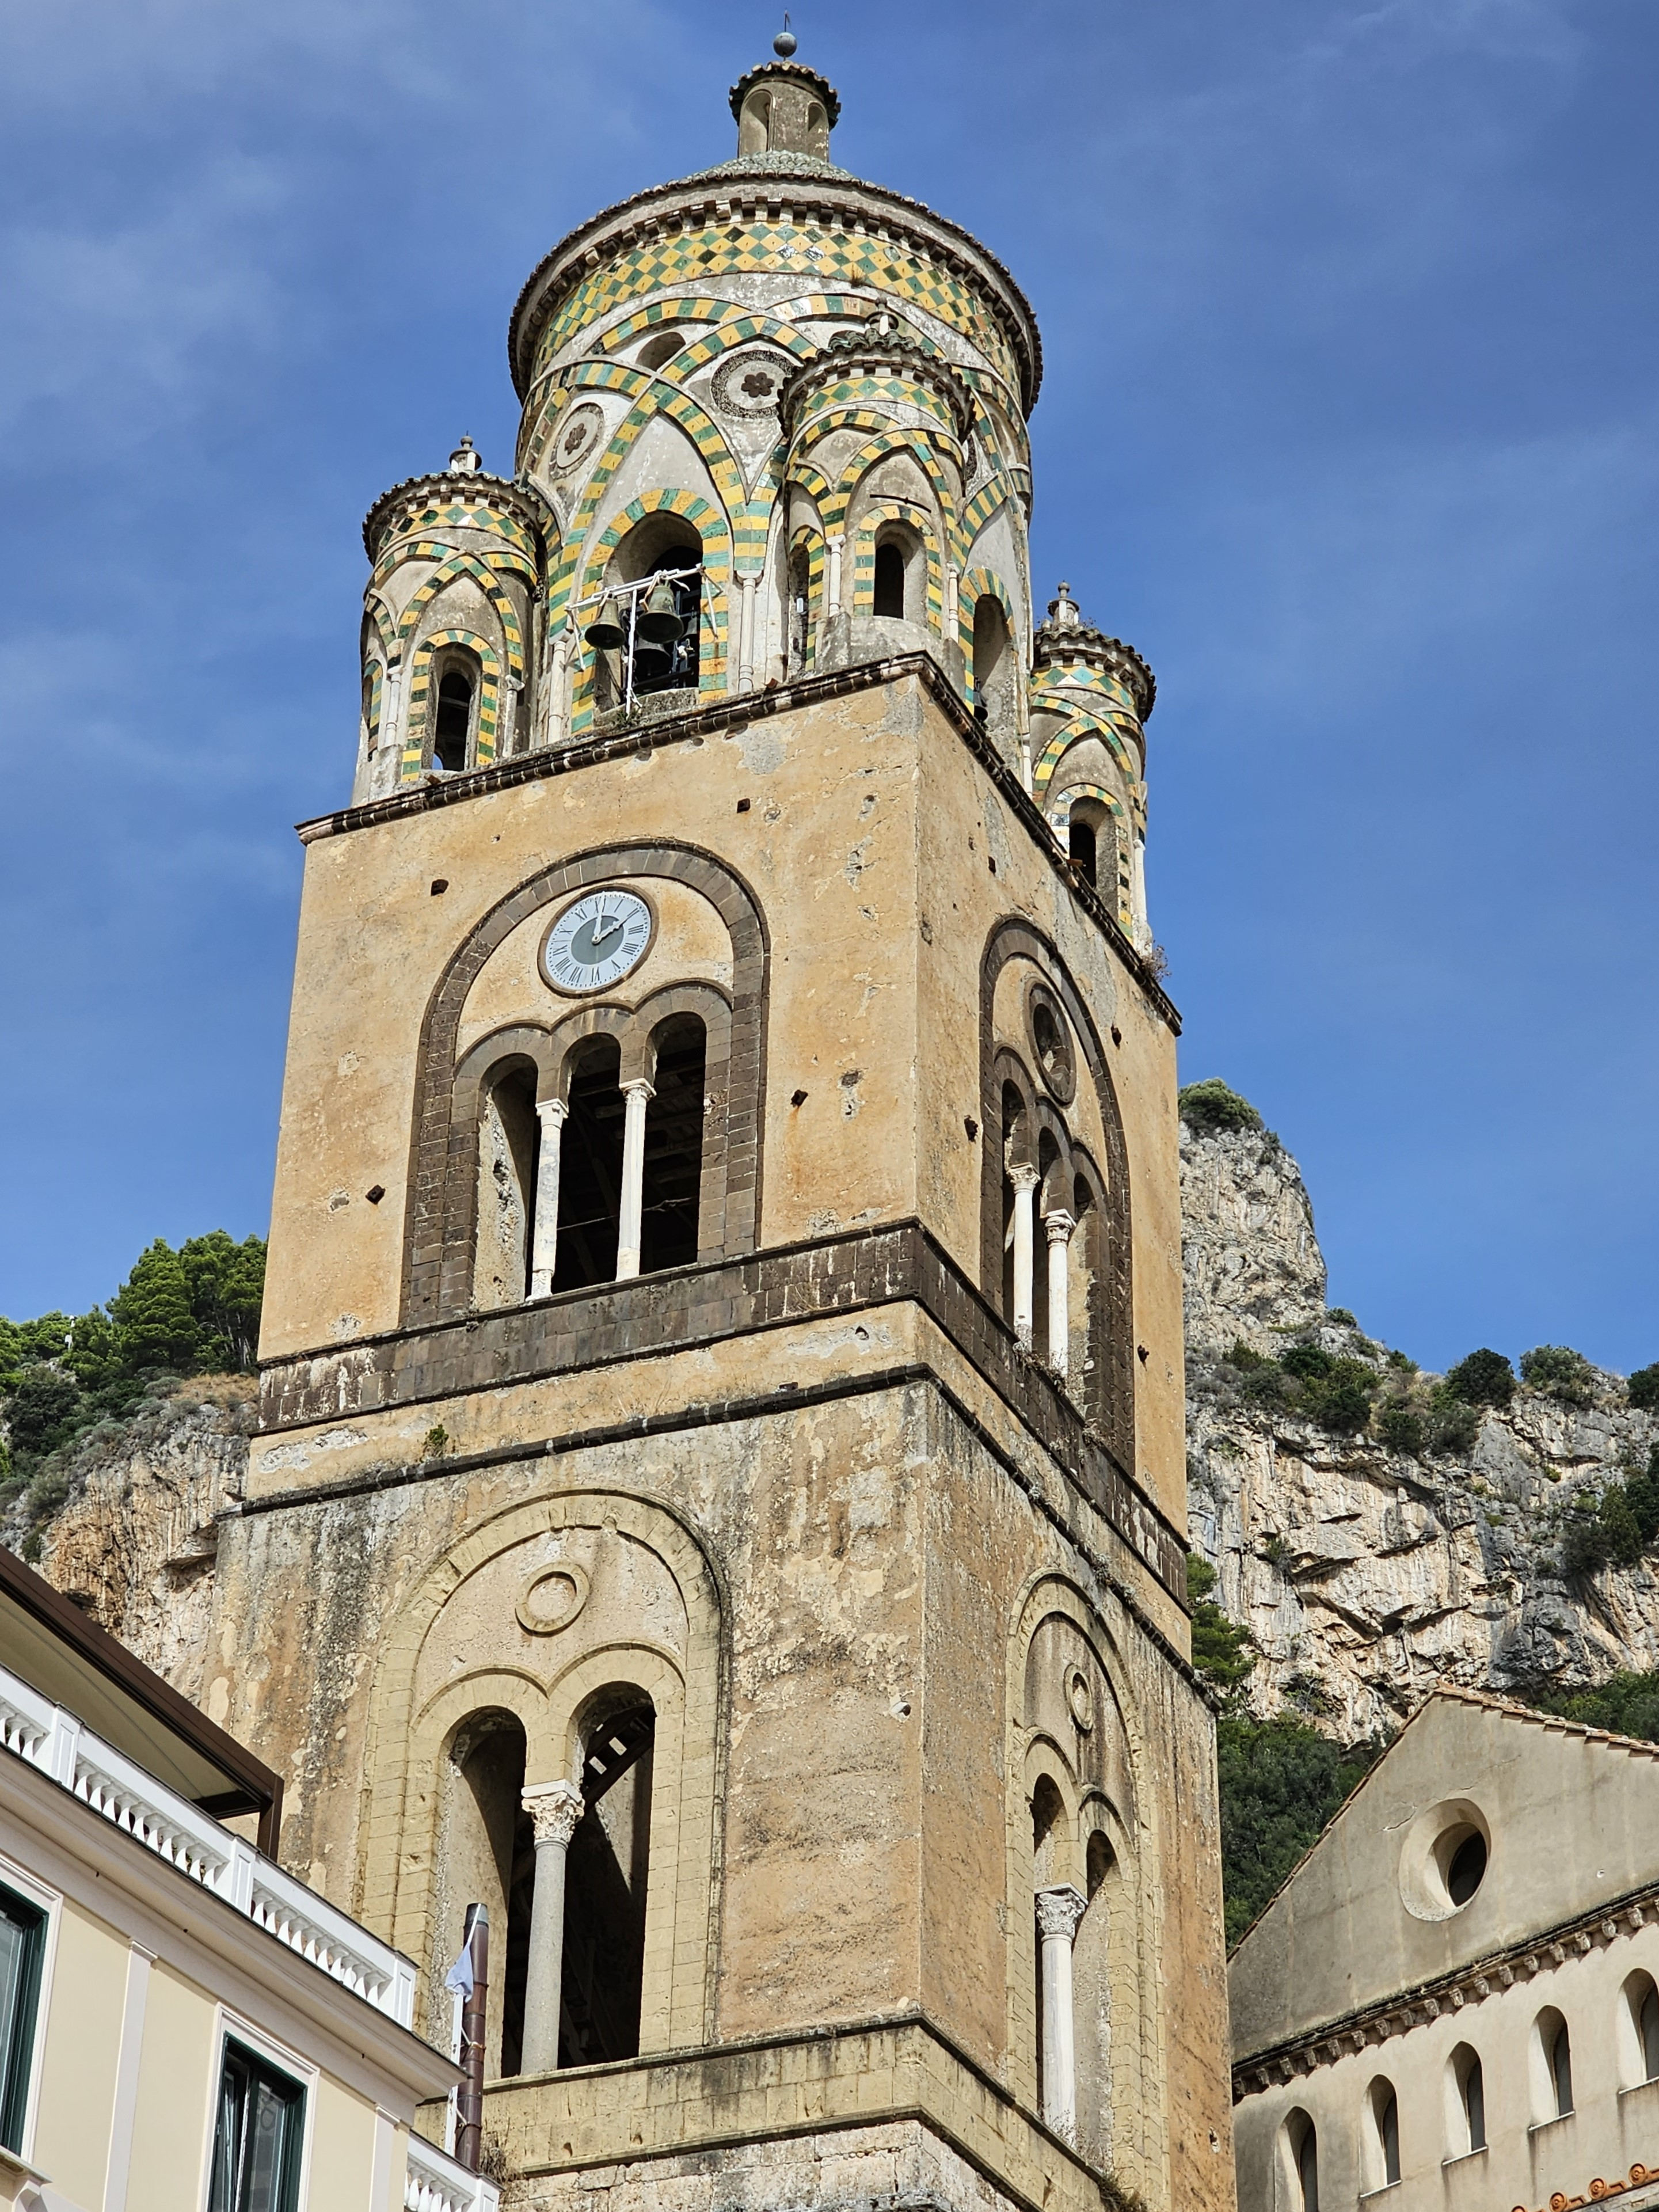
x: 22, y: 1946
x: 1385, y: 2133
x: 1469, y: 2085
x: 1302, y: 2139
x: 673, y: 1179
x: 256, y: 2138
x: 1638, y: 2032
x: 452, y: 725
x: 889, y: 581
x: 1551, y: 2067
x: 591, y: 1170
x: 1080, y: 845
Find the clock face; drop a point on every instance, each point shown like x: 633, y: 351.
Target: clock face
x: 596, y: 941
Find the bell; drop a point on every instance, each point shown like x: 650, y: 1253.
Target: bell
x: 660, y: 623
x: 605, y: 631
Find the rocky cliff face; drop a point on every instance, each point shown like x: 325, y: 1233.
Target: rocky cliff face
x: 1366, y: 1575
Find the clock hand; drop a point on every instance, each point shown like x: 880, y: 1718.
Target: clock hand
x: 600, y: 936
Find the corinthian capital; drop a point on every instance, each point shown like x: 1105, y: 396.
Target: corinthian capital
x: 1059, y: 1911
x: 556, y: 1808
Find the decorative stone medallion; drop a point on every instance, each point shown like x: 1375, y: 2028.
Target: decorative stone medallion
x: 1081, y: 1700
x: 576, y: 437
x: 552, y: 1598
x: 747, y: 385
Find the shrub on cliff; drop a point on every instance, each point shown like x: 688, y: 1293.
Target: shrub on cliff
x: 1644, y: 1389
x: 1558, y: 1371
x: 1485, y: 1378
x: 1628, y: 1705
x: 1210, y: 1108
x: 1222, y: 1652
x: 1622, y: 1529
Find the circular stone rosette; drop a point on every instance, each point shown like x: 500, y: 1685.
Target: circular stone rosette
x: 749, y: 384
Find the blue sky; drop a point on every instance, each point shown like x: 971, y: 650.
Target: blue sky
x: 1348, y: 423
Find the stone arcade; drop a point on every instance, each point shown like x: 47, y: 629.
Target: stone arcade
x: 720, y: 1496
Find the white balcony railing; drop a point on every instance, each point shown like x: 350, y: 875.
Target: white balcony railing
x: 436, y: 2184
x: 53, y: 1739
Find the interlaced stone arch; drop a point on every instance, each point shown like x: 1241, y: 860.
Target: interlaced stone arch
x: 420, y: 684
x: 455, y: 566
x: 715, y: 538
x: 546, y: 1688
x: 441, y: 1220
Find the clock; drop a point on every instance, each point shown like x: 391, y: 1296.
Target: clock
x: 596, y: 941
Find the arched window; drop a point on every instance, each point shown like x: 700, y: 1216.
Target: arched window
x: 800, y: 609
x: 662, y: 662
x: 1638, y: 2031
x: 1468, y: 2085
x: 1080, y: 843
x: 1382, y: 2157
x: 1048, y: 1842
x: 508, y: 1146
x: 590, y: 1168
x: 1552, y: 2066
x: 1302, y: 2147
x: 606, y: 1878
x: 1091, y: 1998
x: 673, y: 1146
x: 889, y: 599
x: 1050, y: 1197
x: 993, y: 665
x: 1013, y: 1155
x: 488, y: 1857
x: 455, y: 696
x: 662, y: 348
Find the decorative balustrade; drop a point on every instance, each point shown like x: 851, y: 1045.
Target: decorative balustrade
x: 53, y: 1739
x: 437, y: 2184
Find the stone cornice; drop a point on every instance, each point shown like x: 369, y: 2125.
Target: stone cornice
x: 1450, y: 1992
x: 772, y: 181
x: 478, y: 485
x: 1052, y: 648
x: 791, y: 73
x: 735, y: 711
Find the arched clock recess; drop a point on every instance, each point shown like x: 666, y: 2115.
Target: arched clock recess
x: 598, y: 939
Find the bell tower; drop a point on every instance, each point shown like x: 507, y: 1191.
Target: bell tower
x: 719, y: 1498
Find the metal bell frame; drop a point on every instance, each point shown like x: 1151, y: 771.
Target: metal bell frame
x: 646, y: 626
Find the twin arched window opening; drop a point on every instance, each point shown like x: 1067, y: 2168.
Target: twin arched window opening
x: 1050, y: 1227
x: 570, y: 1975
x: 601, y: 1184
x: 1072, y: 1990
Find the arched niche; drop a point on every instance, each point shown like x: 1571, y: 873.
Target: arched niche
x: 1074, y: 1740
x: 439, y: 1244
x: 1111, y: 1255
x: 496, y: 1667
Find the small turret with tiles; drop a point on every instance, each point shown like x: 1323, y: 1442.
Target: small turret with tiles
x: 720, y: 1497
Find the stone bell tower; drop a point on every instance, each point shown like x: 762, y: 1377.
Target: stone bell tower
x: 719, y: 1498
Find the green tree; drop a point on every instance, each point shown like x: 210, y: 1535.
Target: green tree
x: 155, y: 1325
x: 1485, y: 1378
x: 226, y: 1281
x: 1281, y: 1782
x: 42, y: 1409
x: 1210, y: 1108
x: 1222, y: 1651
x: 1643, y: 1388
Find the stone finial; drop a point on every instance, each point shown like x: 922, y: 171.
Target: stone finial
x: 1063, y: 611
x: 465, y: 462
x: 786, y: 42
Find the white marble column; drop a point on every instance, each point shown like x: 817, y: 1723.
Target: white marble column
x: 555, y: 1807
x: 1024, y: 1180
x: 1058, y: 1227
x: 1058, y: 1912
x: 544, y: 1227
x: 833, y: 543
x: 748, y: 585
x: 636, y: 1097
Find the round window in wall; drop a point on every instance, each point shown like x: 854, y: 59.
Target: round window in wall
x: 1444, y: 1860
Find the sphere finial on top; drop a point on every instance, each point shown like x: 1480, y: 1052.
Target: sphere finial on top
x: 786, y: 42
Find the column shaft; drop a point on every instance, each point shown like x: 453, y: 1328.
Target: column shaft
x: 1024, y: 1180
x: 1059, y: 1226
x: 637, y: 1096
x: 544, y: 1231
x: 555, y: 1807
x: 1059, y: 1911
